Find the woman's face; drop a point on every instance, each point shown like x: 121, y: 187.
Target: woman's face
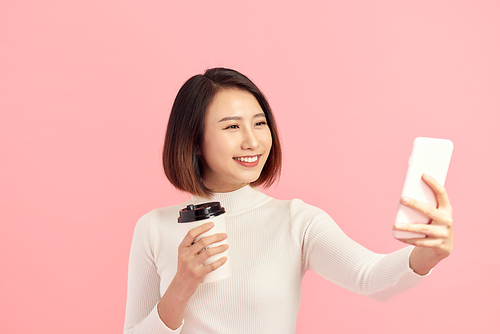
x: 236, y: 142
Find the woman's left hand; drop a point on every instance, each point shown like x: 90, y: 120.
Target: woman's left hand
x: 438, y: 242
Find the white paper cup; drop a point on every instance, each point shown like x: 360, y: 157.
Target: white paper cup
x: 223, y: 271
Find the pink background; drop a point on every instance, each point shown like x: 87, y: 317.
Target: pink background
x: 85, y: 93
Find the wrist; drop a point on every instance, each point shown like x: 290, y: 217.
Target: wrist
x: 172, y: 305
x: 422, y: 260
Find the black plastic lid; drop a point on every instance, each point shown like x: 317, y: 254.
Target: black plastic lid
x: 197, y: 212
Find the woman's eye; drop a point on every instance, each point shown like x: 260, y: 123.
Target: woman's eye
x: 261, y: 123
x: 232, y: 127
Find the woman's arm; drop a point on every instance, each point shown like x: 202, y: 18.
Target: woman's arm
x: 147, y: 311
x: 190, y: 272
x: 438, y: 243
x: 328, y: 251
x: 143, y: 284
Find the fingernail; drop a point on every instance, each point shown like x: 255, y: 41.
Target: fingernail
x: 224, y: 235
x: 226, y: 246
x: 427, y: 176
x: 405, y: 200
x: 211, y: 224
x: 398, y: 225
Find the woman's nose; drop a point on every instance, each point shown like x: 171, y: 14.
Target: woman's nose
x: 249, y: 140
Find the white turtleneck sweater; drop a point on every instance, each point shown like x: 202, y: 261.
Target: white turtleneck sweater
x: 272, y: 243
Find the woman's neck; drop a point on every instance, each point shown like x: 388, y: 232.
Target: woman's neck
x: 235, y: 201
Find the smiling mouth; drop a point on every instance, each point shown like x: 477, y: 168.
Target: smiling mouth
x: 247, y: 159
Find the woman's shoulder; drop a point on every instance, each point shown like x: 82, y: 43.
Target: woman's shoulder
x: 169, y: 213
x: 299, y: 209
x: 306, y: 220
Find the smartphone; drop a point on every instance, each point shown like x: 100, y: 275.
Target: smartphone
x: 431, y: 156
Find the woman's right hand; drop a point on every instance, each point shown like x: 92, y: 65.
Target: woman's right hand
x: 190, y: 268
x: 190, y: 272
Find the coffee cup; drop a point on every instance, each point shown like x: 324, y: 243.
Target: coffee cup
x: 193, y: 216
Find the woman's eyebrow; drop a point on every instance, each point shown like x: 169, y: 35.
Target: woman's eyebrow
x: 231, y: 118
x: 239, y: 118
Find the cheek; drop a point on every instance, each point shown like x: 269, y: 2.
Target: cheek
x: 268, y: 140
x: 214, y: 149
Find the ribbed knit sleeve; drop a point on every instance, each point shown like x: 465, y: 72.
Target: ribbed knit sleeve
x: 328, y: 251
x: 143, y: 289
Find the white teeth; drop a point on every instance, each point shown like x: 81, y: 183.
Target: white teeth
x: 252, y: 159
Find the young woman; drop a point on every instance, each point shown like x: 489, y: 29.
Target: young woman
x: 221, y: 143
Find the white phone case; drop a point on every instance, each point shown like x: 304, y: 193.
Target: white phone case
x: 431, y: 156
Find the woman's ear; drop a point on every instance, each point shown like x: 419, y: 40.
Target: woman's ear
x: 198, y: 150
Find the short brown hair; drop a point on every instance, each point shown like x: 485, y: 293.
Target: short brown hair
x: 181, y: 162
